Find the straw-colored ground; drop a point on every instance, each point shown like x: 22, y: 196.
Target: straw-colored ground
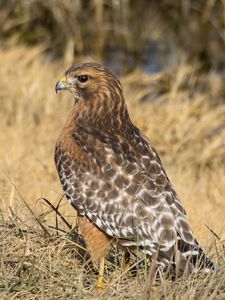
x: 183, y: 114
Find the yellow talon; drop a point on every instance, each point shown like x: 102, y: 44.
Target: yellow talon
x: 100, y: 282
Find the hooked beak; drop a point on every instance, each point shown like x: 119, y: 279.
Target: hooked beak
x: 61, y: 84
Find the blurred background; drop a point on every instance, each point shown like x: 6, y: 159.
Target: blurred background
x: 170, y: 57
x: 153, y: 35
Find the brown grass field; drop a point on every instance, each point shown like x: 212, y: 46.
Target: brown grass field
x: 182, y: 112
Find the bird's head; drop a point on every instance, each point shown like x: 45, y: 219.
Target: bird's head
x: 90, y: 81
x: 98, y: 94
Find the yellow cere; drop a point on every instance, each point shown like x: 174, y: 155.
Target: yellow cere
x: 63, y: 79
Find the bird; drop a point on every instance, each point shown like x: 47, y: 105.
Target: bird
x: 113, y: 177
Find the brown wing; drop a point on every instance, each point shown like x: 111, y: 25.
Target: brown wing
x: 123, y: 188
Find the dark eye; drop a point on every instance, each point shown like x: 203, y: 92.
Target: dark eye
x: 82, y: 78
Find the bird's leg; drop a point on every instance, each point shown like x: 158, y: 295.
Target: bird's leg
x: 126, y: 262
x: 100, y: 282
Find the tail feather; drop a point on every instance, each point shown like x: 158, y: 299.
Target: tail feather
x: 181, y: 259
x: 195, y: 255
x: 188, y: 259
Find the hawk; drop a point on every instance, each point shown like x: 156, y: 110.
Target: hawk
x: 115, y: 179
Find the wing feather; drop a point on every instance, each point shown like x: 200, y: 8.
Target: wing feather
x: 122, y: 188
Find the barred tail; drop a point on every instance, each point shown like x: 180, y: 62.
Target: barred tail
x: 195, y: 255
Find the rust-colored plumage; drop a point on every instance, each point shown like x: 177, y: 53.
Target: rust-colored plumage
x: 114, y: 178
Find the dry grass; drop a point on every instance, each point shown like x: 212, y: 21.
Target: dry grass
x: 181, y: 111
